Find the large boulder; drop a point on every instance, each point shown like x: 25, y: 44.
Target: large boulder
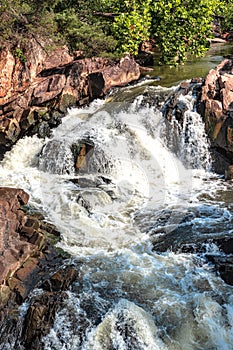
x: 28, y: 260
x: 37, y: 87
x: 216, y: 107
x: 24, y: 242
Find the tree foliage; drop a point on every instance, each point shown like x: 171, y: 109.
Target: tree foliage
x: 225, y: 13
x: 179, y: 27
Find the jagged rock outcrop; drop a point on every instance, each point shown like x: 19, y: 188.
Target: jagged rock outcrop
x: 36, y: 90
x: 216, y: 107
x: 174, y: 107
x: 26, y: 251
x: 28, y: 260
x: 41, y: 312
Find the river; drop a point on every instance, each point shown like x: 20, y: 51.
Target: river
x: 125, y: 217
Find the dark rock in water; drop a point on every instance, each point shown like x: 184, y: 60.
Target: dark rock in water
x: 229, y: 173
x: 39, y: 318
x: 173, y: 107
x: 60, y: 280
x: 82, y: 151
x: 40, y: 315
x: 224, y: 266
x: 182, y: 232
x: 84, y: 182
x: 223, y: 261
x: 56, y: 157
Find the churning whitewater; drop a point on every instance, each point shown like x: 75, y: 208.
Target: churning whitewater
x: 140, y: 185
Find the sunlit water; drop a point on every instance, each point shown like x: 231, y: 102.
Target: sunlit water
x: 133, y: 194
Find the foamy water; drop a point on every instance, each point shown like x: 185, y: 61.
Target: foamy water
x: 133, y: 193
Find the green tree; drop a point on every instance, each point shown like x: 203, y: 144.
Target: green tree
x: 133, y: 26
x: 80, y: 35
x: 225, y: 13
x: 182, y: 27
x: 179, y: 27
x: 20, y: 19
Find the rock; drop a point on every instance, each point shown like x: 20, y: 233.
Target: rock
x: 60, y: 280
x: 24, y: 242
x: 28, y: 259
x: 174, y: 107
x: 229, y: 173
x: 216, y: 107
x: 47, y: 83
x: 13, y: 251
x: 127, y: 70
x: 224, y: 261
x: 39, y: 318
x: 41, y: 312
x: 82, y: 153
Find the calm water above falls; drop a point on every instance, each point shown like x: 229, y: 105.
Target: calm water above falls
x: 131, y: 196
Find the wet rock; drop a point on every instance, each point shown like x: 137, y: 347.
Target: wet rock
x: 60, y: 280
x: 41, y: 312
x: 40, y: 318
x: 174, y: 107
x: 224, y: 260
x: 229, y: 173
x: 82, y: 151
x: 224, y: 266
x: 26, y: 247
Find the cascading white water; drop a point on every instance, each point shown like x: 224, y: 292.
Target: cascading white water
x: 133, y: 192
x: 188, y: 138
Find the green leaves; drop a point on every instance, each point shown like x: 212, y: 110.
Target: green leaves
x: 179, y: 27
x: 182, y: 27
x: 82, y: 36
x: 133, y: 26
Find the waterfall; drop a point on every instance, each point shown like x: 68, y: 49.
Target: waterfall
x: 129, y: 202
x: 187, y: 138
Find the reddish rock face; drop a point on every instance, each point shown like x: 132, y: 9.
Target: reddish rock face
x: 28, y: 259
x: 40, y: 88
x: 7, y: 63
x: 217, y: 109
x: 22, y: 241
x: 13, y: 251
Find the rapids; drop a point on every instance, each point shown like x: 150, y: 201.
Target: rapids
x: 141, y: 195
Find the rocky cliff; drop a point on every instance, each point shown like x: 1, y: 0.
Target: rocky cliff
x: 216, y: 107
x: 26, y: 246
x: 37, y: 87
x: 28, y: 259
